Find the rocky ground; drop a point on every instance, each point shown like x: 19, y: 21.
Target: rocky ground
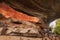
x: 4, y: 37
x: 23, y: 30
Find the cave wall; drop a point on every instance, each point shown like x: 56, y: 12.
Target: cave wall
x: 49, y: 9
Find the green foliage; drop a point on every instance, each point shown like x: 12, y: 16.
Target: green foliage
x: 57, y: 28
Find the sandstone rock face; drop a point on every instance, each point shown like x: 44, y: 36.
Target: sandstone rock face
x: 9, y: 27
x: 9, y: 12
x: 48, y: 8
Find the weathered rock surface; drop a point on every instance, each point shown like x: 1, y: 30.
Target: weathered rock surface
x: 23, y: 27
x: 50, y: 9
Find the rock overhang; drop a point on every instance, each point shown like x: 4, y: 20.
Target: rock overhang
x: 48, y: 8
